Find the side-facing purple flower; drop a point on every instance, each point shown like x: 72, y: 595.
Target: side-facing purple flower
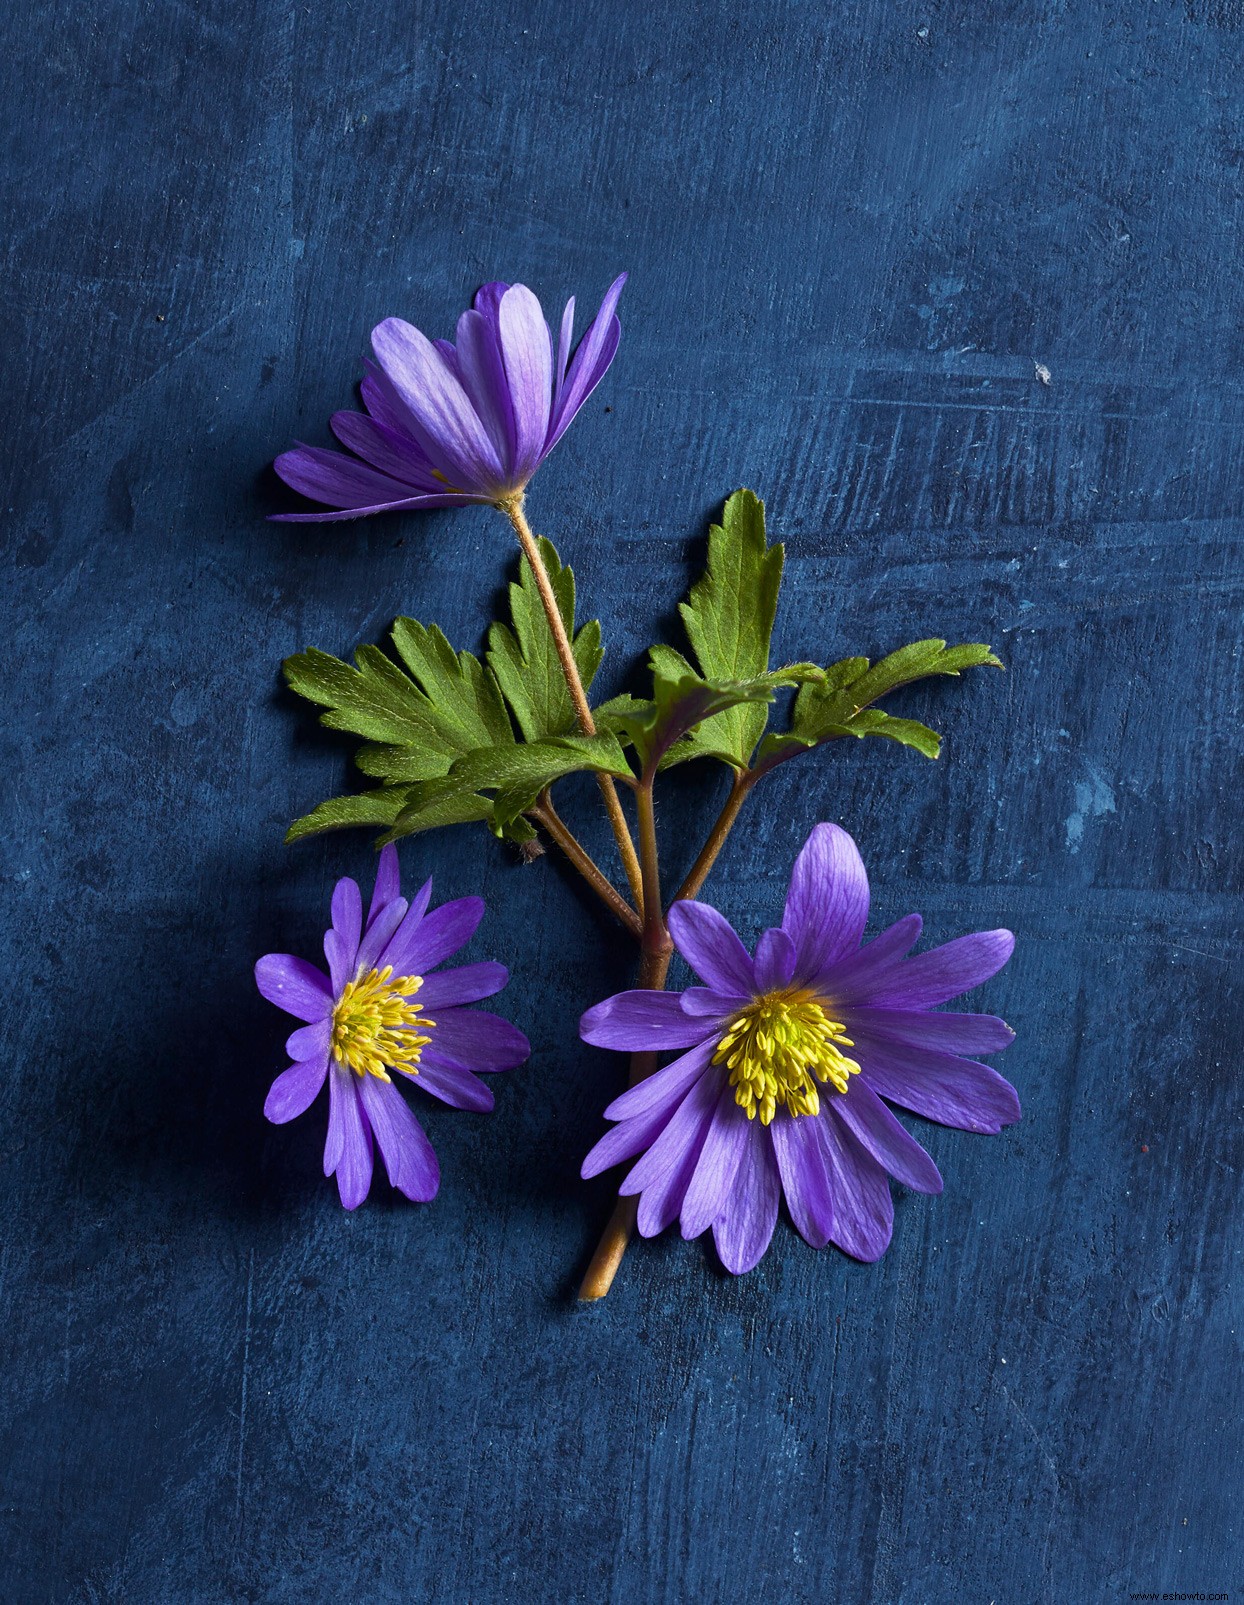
x: 810, y: 1035
x: 378, y: 1009
x: 450, y: 423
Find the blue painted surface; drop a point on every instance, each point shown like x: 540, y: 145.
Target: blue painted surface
x: 853, y: 231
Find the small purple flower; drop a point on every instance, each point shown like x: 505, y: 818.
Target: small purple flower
x: 380, y: 1009
x: 810, y: 1036
x: 457, y: 423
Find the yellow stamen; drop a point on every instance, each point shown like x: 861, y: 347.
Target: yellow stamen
x: 375, y: 1025
x: 775, y: 1046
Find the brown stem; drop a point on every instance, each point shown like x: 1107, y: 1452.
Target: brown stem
x: 656, y: 962
x: 546, y: 815
x: 743, y: 782
x: 658, y: 949
x: 621, y: 1228
x: 513, y: 510
x: 656, y: 940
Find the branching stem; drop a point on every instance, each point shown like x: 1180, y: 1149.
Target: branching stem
x: 743, y: 783
x: 547, y: 816
x: 658, y: 949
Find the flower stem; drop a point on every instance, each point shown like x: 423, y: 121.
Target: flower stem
x: 513, y: 510
x: 743, y: 782
x: 617, y: 1235
x: 658, y: 949
x: 546, y: 815
x: 656, y: 939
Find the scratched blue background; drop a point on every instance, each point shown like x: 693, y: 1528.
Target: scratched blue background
x: 852, y: 232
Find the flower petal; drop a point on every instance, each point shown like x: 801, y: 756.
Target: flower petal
x: 294, y: 985
x: 624, y: 1141
x: 940, y: 1086
x: 702, y: 1002
x: 641, y: 1020
x: 708, y: 942
x: 482, y: 371
x: 527, y: 350
x: 729, y: 1133
x: 398, y: 456
x: 663, y: 1089
x: 451, y: 430
x: 295, y: 1090
x: 452, y: 1084
x: 564, y: 338
x: 376, y: 937
x: 339, y: 481
x: 382, y: 401
x: 852, y: 978
x: 827, y: 905
x: 347, y: 916
x: 805, y: 1176
x: 474, y: 1039
x: 890, y: 1144
x: 664, y: 1173
x: 348, y: 1150
x: 863, y: 1207
x: 419, y: 903
x: 449, y: 499
x: 310, y: 1041
x: 589, y: 364
x: 775, y: 960
x: 488, y: 298
x: 408, y: 1156
x: 467, y: 984
x: 744, y: 1228
x: 423, y: 941
x: 388, y: 885
x: 954, y: 1033
x: 943, y: 972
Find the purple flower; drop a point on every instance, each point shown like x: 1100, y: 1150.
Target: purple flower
x: 380, y: 1009
x: 465, y: 423
x: 810, y: 1035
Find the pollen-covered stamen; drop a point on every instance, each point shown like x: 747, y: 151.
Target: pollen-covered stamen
x: 376, y: 1028
x: 778, y: 1048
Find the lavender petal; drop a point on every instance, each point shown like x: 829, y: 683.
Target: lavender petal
x: 708, y: 942
x: 744, y: 1228
x: 294, y: 985
x: 409, y: 1158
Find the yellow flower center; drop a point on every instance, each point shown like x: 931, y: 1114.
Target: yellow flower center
x: 376, y: 1025
x: 776, y: 1046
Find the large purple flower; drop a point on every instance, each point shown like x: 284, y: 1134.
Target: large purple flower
x: 809, y: 1035
x: 448, y: 423
x: 380, y: 1009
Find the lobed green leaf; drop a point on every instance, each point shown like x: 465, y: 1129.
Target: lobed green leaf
x: 728, y: 616
x: 840, y: 704
x: 524, y: 660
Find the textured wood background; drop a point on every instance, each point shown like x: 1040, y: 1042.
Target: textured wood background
x: 852, y: 231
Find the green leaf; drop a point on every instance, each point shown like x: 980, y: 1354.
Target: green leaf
x: 681, y: 701
x: 373, y: 699
x: 915, y: 662
x: 840, y: 705
x: 450, y: 706
x: 434, y: 803
x: 519, y: 774
x: 338, y: 813
x: 462, y: 696
x: 516, y: 775
x: 524, y: 659
x: 417, y: 721
x: 729, y: 621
